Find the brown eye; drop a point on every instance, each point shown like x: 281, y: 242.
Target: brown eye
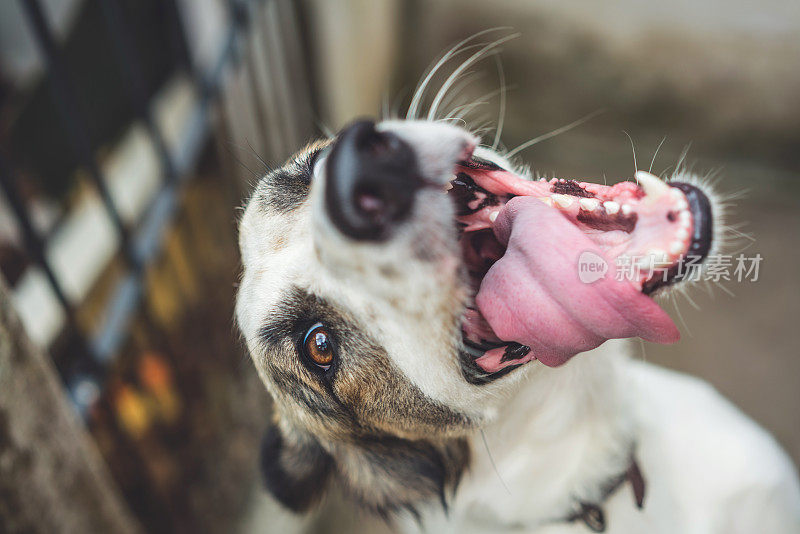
x: 318, y: 346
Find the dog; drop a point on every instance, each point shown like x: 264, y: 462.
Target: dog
x: 373, y: 264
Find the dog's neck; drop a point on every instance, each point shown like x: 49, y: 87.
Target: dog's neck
x: 557, y: 441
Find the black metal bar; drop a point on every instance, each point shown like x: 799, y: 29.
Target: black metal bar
x: 33, y: 241
x: 141, y: 247
x: 145, y: 244
x: 174, y: 16
x: 130, y: 66
x: 67, y: 104
x: 35, y: 246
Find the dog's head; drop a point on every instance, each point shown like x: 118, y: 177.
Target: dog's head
x: 374, y: 307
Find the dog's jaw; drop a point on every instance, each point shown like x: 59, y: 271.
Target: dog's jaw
x: 558, y: 436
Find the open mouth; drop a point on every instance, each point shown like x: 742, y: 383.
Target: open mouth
x: 557, y: 267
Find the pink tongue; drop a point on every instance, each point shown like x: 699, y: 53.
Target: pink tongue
x: 533, y: 295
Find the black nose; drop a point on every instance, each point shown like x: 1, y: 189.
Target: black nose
x: 372, y: 178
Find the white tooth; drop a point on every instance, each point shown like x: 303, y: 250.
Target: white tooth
x: 675, y: 193
x: 589, y: 203
x: 547, y: 200
x: 685, y: 218
x: 448, y: 186
x: 681, y: 204
x: 563, y: 201
x: 682, y: 234
x: 611, y: 207
x: 626, y: 209
x: 676, y: 247
x: 493, y: 216
x: 653, y: 186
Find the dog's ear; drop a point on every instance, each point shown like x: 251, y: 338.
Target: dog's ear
x: 296, y: 469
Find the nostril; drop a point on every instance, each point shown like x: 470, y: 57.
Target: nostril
x: 370, y: 204
x: 371, y: 181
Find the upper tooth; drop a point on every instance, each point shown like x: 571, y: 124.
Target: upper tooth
x: 589, y: 203
x: 493, y: 216
x: 611, y: 207
x: 562, y: 200
x: 653, y: 186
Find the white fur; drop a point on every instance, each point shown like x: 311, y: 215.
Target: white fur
x: 709, y: 469
x: 555, y: 435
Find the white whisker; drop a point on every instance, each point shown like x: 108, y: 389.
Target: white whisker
x: 501, y: 114
x: 682, y: 159
x: 737, y: 233
x: 725, y: 289
x: 394, y: 112
x: 464, y: 109
x: 450, y: 102
x: 385, y: 106
x: 633, y: 149
x: 454, y: 119
x: 419, y: 92
x: 554, y: 133
x: 461, y: 68
x: 692, y: 302
x: 652, y: 162
x: 680, y: 318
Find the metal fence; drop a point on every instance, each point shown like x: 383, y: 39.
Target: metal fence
x: 259, y: 54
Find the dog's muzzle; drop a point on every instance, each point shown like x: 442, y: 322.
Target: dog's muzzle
x: 371, y: 180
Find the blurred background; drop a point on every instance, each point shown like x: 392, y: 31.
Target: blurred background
x: 131, y: 130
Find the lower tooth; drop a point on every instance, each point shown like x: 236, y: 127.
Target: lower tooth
x: 676, y: 247
x: 547, y: 200
x: 611, y: 207
x: 626, y: 209
x: 563, y: 201
x: 589, y: 204
x: 682, y: 233
x: 685, y: 218
x: 493, y: 216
